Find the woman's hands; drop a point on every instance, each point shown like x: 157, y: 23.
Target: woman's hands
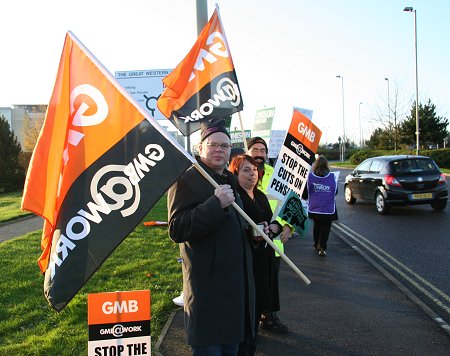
x: 265, y: 229
x: 286, y: 233
x: 275, y: 228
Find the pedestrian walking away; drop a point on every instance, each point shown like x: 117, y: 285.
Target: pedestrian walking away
x: 321, y: 190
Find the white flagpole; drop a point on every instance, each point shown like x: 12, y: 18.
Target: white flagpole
x: 229, y: 51
x: 155, y: 123
x: 243, y: 132
x: 252, y: 223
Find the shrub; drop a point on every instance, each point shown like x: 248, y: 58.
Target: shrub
x: 12, y: 175
x: 440, y: 156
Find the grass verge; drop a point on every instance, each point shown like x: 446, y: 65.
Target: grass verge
x: 147, y: 259
x: 10, y: 207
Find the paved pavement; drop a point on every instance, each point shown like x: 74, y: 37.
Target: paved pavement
x: 20, y: 227
x: 349, y: 308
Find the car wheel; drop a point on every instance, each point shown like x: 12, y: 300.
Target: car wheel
x: 380, y: 204
x: 348, y: 195
x: 439, y: 205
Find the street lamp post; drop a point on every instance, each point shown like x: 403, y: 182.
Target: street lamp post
x: 361, y: 141
x: 343, y: 119
x: 410, y: 9
x: 202, y: 19
x: 202, y: 14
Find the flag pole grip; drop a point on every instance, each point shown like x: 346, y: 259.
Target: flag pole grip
x: 256, y: 227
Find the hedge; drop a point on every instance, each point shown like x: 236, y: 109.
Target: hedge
x: 440, y: 156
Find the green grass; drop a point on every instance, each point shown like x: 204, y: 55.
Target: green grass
x: 345, y: 164
x: 147, y: 259
x: 10, y: 207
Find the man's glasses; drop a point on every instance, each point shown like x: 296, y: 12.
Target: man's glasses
x: 214, y: 146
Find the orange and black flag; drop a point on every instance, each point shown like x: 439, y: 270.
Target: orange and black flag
x: 204, y: 85
x: 98, y: 167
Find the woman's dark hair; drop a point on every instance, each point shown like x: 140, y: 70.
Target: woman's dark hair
x: 237, y: 161
x: 320, y: 167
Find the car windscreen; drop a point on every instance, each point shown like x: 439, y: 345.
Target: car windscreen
x: 413, y: 165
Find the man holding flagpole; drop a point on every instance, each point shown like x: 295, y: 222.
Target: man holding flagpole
x: 218, y: 285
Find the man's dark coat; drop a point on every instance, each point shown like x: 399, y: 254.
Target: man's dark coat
x: 218, y: 283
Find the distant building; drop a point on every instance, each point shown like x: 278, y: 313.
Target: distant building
x: 16, y: 116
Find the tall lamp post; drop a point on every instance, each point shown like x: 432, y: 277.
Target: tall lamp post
x: 410, y: 9
x: 202, y: 19
x: 361, y: 141
x: 343, y: 119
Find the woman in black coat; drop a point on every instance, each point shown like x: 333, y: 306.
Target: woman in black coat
x: 257, y: 207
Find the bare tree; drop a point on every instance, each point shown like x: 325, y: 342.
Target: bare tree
x: 390, y: 110
x: 32, y: 126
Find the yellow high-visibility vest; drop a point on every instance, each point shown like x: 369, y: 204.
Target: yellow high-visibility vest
x: 262, y: 185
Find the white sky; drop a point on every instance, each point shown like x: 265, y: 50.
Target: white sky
x: 286, y: 52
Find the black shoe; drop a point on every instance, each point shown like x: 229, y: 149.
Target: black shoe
x: 274, y: 325
x: 322, y: 253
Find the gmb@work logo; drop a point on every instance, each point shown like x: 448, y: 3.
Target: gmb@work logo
x: 119, y: 330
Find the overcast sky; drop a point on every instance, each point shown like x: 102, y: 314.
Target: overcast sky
x: 287, y: 52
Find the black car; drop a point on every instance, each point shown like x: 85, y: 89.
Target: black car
x: 397, y: 180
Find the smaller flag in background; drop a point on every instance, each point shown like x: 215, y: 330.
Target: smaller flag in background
x: 204, y: 85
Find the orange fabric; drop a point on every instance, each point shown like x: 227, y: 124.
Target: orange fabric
x: 56, y: 161
x: 305, y: 131
x: 178, y: 87
x: 155, y: 223
x: 118, y: 307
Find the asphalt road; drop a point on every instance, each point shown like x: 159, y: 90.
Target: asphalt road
x: 412, y: 243
x: 348, y: 309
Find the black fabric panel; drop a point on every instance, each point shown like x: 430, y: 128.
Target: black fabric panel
x: 81, y: 261
x: 219, y: 109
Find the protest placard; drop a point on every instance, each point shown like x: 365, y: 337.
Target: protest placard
x: 119, y: 323
x: 295, y: 158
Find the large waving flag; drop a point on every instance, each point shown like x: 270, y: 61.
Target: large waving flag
x: 204, y: 84
x: 98, y: 167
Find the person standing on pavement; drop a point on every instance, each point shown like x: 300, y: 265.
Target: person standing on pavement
x: 218, y: 285
x: 257, y: 207
x: 321, y: 190
x: 257, y: 149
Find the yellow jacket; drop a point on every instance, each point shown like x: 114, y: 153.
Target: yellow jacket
x: 262, y: 185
